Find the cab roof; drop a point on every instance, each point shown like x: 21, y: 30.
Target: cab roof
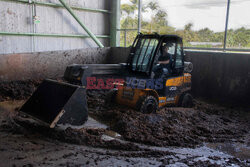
x: 156, y: 35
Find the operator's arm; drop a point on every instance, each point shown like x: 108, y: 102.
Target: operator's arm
x: 163, y: 62
x: 164, y: 59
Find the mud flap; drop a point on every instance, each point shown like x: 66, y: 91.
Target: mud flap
x: 57, y: 103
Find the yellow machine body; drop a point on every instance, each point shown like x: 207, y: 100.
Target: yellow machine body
x: 173, y: 88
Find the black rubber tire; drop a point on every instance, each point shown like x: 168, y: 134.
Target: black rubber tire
x: 149, y: 105
x: 186, y: 100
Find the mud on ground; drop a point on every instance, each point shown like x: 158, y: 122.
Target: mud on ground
x: 187, y: 129
x: 17, y: 90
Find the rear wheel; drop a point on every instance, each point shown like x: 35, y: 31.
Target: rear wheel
x: 186, y: 100
x: 149, y: 105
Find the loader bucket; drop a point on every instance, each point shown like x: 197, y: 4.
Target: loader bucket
x: 57, y: 103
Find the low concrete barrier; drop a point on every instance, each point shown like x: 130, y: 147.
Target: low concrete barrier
x: 42, y: 65
x: 221, y: 76
x: 118, y: 55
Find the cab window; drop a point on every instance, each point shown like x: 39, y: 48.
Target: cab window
x: 145, y: 49
x: 179, y: 59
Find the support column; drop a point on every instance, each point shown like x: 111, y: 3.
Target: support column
x: 227, y: 16
x: 139, y: 15
x: 81, y: 24
x: 115, y: 23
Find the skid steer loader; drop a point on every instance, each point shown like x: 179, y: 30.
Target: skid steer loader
x: 147, y: 85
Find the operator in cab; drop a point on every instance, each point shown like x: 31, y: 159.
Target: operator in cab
x: 163, y: 68
x: 166, y: 57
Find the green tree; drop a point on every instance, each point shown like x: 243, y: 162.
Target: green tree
x: 205, y: 35
x: 153, y: 6
x: 128, y: 10
x: 161, y: 18
x: 189, y: 34
x: 135, y: 2
x: 241, y: 37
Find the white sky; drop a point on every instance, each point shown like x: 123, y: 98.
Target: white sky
x: 204, y: 13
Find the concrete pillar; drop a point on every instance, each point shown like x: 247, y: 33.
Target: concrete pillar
x: 115, y: 23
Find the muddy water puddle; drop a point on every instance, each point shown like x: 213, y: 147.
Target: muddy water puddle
x: 239, y: 150
x: 11, y: 105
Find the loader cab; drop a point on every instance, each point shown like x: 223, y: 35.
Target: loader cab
x: 169, y: 58
x: 142, y: 54
x: 147, y: 50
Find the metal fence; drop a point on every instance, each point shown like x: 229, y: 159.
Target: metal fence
x: 125, y: 34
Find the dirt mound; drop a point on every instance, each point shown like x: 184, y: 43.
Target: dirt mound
x: 17, y: 90
x: 176, y: 127
x: 185, y: 127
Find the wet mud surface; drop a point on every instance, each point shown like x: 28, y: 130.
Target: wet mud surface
x: 17, y: 90
x: 171, y: 137
x: 185, y: 127
x: 19, y: 124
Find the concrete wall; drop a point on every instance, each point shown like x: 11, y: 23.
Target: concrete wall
x: 118, y: 55
x: 40, y: 65
x: 224, y: 77
x: 17, y: 17
x: 52, y: 64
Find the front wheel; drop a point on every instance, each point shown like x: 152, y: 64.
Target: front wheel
x: 149, y: 105
x: 186, y: 100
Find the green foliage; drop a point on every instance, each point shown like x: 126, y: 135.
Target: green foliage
x: 161, y: 18
x: 135, y: 2
x: 238, y: 38
x: 128, y: 9
x: 153, y: 6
